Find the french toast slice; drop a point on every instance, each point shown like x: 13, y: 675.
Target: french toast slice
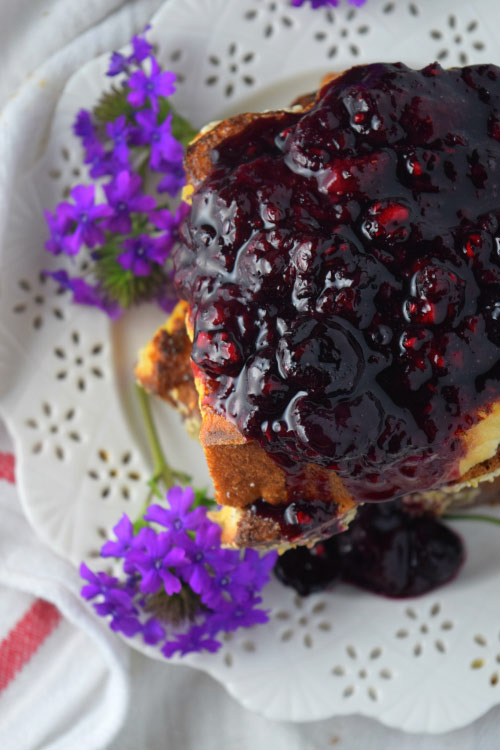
x: 261, y: 507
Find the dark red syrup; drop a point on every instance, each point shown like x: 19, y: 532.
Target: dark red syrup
x: 300, y: 521
x: 343, y: 270
x: 385, y: 550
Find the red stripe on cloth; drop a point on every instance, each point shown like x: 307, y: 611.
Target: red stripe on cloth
x: 25, y: 639
x: 7, y: 467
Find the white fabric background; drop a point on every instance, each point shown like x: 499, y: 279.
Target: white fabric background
x: 172, y: 707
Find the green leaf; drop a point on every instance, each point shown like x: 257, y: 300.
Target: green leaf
x: 471, y: 517
x: 138, y: 525
x: 201, y: 499
x: 153, y: 485
x: 120, y: 285
x: 113, y: 104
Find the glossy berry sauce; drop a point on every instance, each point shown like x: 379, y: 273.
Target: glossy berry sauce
x: 385, y: 550
x: 343, y: 269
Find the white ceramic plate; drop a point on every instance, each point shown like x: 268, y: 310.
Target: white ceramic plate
x: 66, y: 384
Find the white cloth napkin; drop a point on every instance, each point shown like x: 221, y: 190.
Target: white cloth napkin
x: 63, y: 674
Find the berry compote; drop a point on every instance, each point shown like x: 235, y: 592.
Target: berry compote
x: 343, y: 271
x: 385, y: 550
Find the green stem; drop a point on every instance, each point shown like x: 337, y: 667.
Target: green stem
x: 161, y: 469
x: 470, y: 517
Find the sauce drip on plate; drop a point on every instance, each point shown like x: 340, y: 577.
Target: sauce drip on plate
x: 385, y: 550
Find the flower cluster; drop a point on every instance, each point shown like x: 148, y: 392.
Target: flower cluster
x: 133, y: 148
x: 323, y: 3
x: 175, y: 571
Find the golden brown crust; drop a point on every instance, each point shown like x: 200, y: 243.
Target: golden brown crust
x: 490, y: 466
x: 164, y: 368
x: 198, y: 160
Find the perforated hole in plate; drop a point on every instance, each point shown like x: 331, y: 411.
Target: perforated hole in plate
x: 282, y: 615
x: 487, y: 661
x: 411, y: 7
x: 426, y: 628
x: 232, y: 71
x: 308, y: 616
x: 79, y: 362
x: 52, y: 428
x: 37, y: 300
x: 457, y: 34
x: 272, y: 18
x: 175, y: 60
x: 114, y: 474
x: 340, y: 35
x: 69, y: 168
x: 360, y: 672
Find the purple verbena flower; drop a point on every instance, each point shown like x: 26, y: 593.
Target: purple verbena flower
x: 261, y: 566
x: 141, y: 48
x: 119, y: 131
x: 85, y: 293
x: 230, y: 616
x: 174, y: 179
x: 118, y: 604
x: 166, y: 297
x: 314, y: 3
x: 230, y: 583
x: 124, y: 196
x: 200, y: 554
x: 124, y: 533
x: 195, y: 574
x: 164, y: 147
x: 164, y: 219
x: 152, y: 632
x: 59, y: 226
x: 140, y: 253
x: 83, y: 126
x: 99, y: 583
x: 155, y: 561
x: 117, y: 64
x: 83, y: 214
x: 152, y: 86
x: 100, y: 161
x: 178, y: 518
x: 176, y: 561
x: 164, y: 244
x: 196, y: 639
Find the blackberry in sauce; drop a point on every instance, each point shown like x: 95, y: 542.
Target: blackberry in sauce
x: 385, y: 550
